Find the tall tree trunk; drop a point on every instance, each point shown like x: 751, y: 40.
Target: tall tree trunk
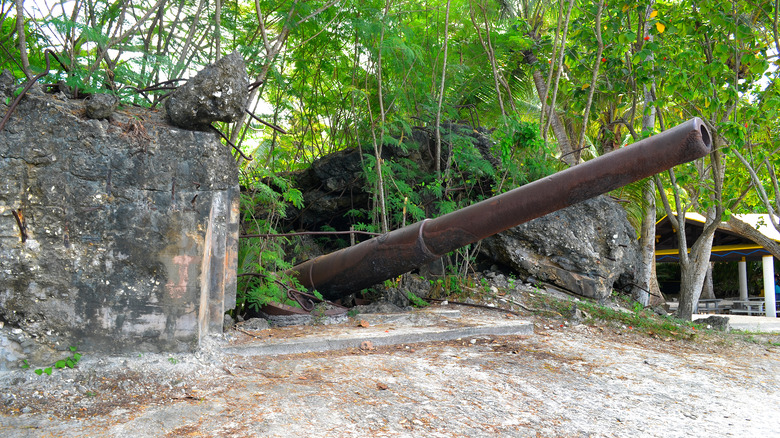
x: 20, y: 35
x: 441, y: 91
x: 378, y: 144
x: 644, y: 288
x: 693, y: 273
x: 182, y: 63
x: 657, y: 297
x: 694, y: 265
x: 647, y: 233
x: 564, y: 145
x: 488, y: 47
x: 596, y: 64
x: 218, y: 29
x: 566, y: 21
x: 272, y: 49
x: 708, y: 289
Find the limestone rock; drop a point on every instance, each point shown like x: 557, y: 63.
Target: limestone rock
x: 255, y: 324
x: 715, y: 322
x: 7, y: 82
x: 379, y: 307
x: 335, y: 184
x: 219, y: 92
x: 101, y: 105
x: 588, y: 248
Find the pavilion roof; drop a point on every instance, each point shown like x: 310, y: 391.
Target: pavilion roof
x: 726, y: 245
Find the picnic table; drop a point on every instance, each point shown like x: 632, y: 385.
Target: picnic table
x: 749, y: 307
x: 711, y: 306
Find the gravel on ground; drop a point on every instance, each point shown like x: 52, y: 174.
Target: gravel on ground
x: 565, y: 380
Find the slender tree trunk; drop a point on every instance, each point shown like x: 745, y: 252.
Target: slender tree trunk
x: 648, y: 118
x: 496, y: 73
x: 596, y: 64
x: 693, y: 273
x: 694, y: 264
x: 187, y: 42
x: 708, y: 290
x: 644, y: 289
x: 564, y: 146
x: 272, y: 50
x: 378, y: 144
x: 441, y: 90
x: 560, y: 70
x: 657, y: 297
x: 21, y: 37
x: 491, y: 56
x: 543, y: 98
x: 218, y: 28
x: 647, y: 234
x: 271, y: 53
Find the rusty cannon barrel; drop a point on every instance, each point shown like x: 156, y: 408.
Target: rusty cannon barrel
x: 354, y: 268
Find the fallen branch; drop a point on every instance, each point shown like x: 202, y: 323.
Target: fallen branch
x: 270, y: 125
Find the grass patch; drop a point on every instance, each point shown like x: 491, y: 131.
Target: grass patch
x: 638, y: 319
x: 644, y: 321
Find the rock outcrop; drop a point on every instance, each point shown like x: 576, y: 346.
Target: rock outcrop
x: 335, y: 184
x: 115, y: 235
x: 588, y: 249
x: 219, y: 92
x: 101, y: 105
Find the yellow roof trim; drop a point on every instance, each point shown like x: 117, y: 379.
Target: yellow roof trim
x: 714, y: 249
x: 696, y: 217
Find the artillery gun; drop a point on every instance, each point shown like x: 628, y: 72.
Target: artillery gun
x: 352, y: 269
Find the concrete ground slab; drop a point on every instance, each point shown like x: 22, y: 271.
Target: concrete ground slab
x: 749, y: 323
x: 572, y: 380
x: 424, y: 325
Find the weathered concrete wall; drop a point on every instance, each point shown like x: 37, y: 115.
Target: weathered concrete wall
x: 131, y: 232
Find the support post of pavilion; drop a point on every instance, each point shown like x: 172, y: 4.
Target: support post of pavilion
x: 769, y: 285
x: 743, y: 290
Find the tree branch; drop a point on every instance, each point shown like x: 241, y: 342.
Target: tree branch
x: 596, y: 65
x: 318, y: 11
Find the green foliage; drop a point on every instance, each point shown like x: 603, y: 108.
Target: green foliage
x: 415, y: 300
x: 524, y: 154
x: 356, y: 74
x: 69, y: 362
x: 263, y: 260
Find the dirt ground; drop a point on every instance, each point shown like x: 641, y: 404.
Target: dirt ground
x: 563, y: 381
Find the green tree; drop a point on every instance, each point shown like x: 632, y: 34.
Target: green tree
x: 330, y: 74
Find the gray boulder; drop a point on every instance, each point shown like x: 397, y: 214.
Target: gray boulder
x: 101, y: 105
x: 588, y: 249
x: 219, y: 92
x: 715, y: 322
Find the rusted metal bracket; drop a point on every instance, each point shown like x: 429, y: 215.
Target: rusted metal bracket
x: 21, y: 223
x: 354, y: 268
